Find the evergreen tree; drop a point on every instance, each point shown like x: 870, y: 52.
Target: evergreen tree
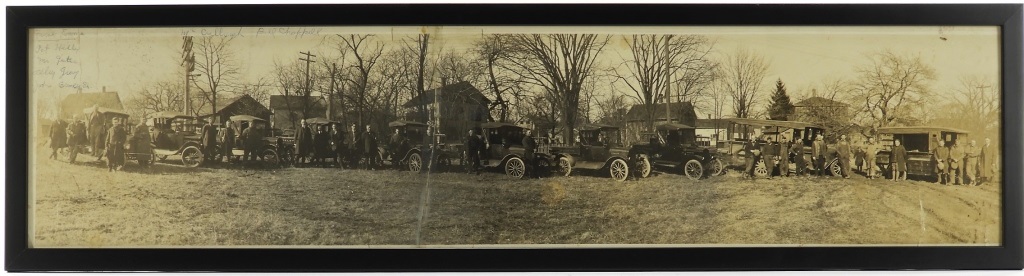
x: 780, y: 106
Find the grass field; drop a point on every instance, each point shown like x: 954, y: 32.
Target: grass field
x: 82, y: 205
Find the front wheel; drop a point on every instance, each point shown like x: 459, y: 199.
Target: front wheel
x: 191, y: 157
x: 415, y: 162
x: 515, y: 168
x: 836, y: 169
x: 619, y: 170
x: 717, y: 167
x: 693, y: 169
x: 564, y: 166
x: 643, y: 166
x: 761, y: 170
x: 270, y: 155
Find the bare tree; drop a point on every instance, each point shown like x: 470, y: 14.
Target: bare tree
x: 259, y: 90
x: 833, y: 114
x: 974, y: 106
x: 418, y: 49
x: 217, y: 65
x: 890, y: 84
x: 366, y: 51
x: 560, y: 64
x: 157, y: 97
x: 659, y: 60
x: 742, y: 76
x: 493, y: 52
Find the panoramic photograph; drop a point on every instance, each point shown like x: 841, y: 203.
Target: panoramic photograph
x: 514, y: 137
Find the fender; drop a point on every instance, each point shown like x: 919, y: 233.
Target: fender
x: 572, y: 160
x: 189, y: 144
x: 409, y: 153
x: 609, y: 161
x: 507, y: 157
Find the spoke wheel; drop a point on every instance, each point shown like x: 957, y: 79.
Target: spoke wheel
x: 515, y: 168
x: 270, y: 155
x: 564, y: 166
x: 836, y: 169
x: 191, y: 157
x: 619, y: 170
x: 761, y: 170
x: 643, y: 166
x: 693, y: 169
x: 415, y: 162
x: 717, y: 167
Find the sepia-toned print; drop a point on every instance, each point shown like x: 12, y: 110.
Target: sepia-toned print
x: 397, y: 137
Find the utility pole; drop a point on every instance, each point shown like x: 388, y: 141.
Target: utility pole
x: 330, y: 94
x: 668, y: 80
x: 188, y: 63
x: 305, y: 100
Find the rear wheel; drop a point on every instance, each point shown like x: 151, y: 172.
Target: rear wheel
x: 835, y: 168
x: 415, y: 162
x: 693, y: 169
x: 643, y: 166
x: 717, y: 167
x: 564, y: 166
x: 270, y: 155
x: 515, y: 168
x: 761, y: 170
x: 619, y: 170
x: 191, y: 157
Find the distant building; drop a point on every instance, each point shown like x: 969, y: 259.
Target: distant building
x: 241, y: 105
x: 712, y: 130
x: 820, y: 110
x: 637, y: 116
x: 461, y: 107
x: 74, y: 104
x: 288, y: 111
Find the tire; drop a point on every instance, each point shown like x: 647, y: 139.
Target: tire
x: 415, y: 162
x: 717, y: 167
x: 270, y: 155
x: 835, y: 169
x: 619, y: 170
x: 761, y: 170
x: 643, y: 166
x: 693, y: 169
x: 191, y: 157
x: 564, y: 166
x: 515, y: 168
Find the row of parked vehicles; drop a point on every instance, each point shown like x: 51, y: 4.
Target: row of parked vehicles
x: 672, y: 147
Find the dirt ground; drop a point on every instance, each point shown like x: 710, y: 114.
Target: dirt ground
x: 83, y: 205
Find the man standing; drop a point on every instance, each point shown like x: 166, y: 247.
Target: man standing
x: 784, y: 147
x: 140, y: 144
x: 227, y: 141
x: 843, y: 150
x: 396, y: 144
x: 355, y: 149
x: 100, y: 141
x: 899, y: 162
x: 473, y: 145
x: 58, y: 137
x: 370, y: 148
x: 116, y: 137
x: 337, y: 144
x: 797, y: 149
x: 209, y: 140
x: 96, y: 131
x: 870, y: 151
x: 985, y: 170
x: 769, y: 153
x: 530, y: 147
x: 941, y: 155
x: 956, y: 159
x: 818, y: 150
x: 76, y: 138
x: 303, y: 143
x: 751, y: 153
x: 971, y: 163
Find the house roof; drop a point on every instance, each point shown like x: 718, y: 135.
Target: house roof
x: 638, y: 112
x: 819, y: 101
x: 463, y: 90
x: 75, y: 103
x: 294, y: 101
x: 226, y: 103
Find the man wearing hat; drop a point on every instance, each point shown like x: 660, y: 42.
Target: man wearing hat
x: 116, y: 138
x: 208, y: 134
x: 303, y: 142
x: 941, y: 155
x: 76, y: 137
x: 227, y: 140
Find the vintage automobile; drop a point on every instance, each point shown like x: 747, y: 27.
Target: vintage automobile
x: 673, y: 147
x: 794, y: 130
x: 504, y: 149
x: 108, y: 115
x: 175, y: 133
x: 270, y: 150
x: 600, y: 148
x: 409, y: 152
x: 919, y: 141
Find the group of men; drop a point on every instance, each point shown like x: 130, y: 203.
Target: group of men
x: 963, y: 165
x: 106, y: 140
x: 225, y: 140
x: 315, y: 144
x: 772, y: 152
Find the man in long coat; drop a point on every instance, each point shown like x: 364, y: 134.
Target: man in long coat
x: 818, y: 151
x: 784, y: 146
x: 985, y: 169
x: 844, y: 151
x: 941, y: 155
x: 370, y: 148
x: 227, y: 141
x: 530, y: 147
x: 116, y: 138
x: 338, y: 144
x: 971, y: 163
x: 797, y: 149
x: 303, y: 143
x: 473, y: 145
x: 100, y: 141
x: 58, y: 137
x: 141, y: 144
x: 870, y: 151
x: 77, y: 137
x: 397, y: 149
x: 769, y: 153
x: 956, y: 160
x: 355, y: 150
x: 751, y: 152
x: 97, y: 129
x: 208, y: 136
x: 253, y: 136
x: 899, y: 161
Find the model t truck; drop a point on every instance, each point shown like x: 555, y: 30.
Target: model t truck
x: 600, y: 148
x: 673, y: 147
x: 176, y: 134
x: 504, y: 149
x: 919, y: 141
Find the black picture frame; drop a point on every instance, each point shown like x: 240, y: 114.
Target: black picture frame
x: 19, y: 257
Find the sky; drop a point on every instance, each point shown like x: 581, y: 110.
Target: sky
x: 125, y: 59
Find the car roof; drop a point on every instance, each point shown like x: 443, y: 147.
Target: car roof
x: 401, y: 123
x: 918, y: 129
x: 771, y: 123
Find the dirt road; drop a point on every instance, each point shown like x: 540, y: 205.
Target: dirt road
x: 82, y: 205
